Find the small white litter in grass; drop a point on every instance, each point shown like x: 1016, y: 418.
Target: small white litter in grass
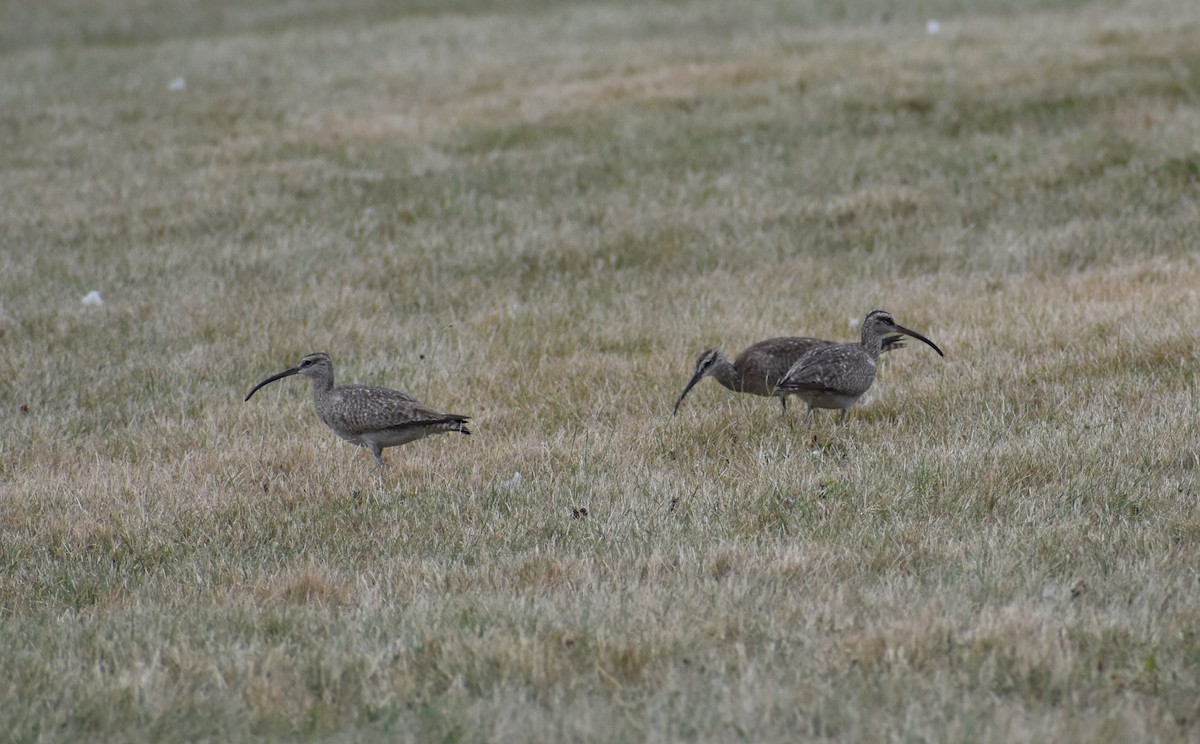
x: 513, y: 482
x: 93, y: 298
x: 177, y: 84
x: 854, y: 322
x: 932, y: 27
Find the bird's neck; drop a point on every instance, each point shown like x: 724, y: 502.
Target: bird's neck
x: 723, y: 372
x: 322, y: 386
x: 872, y: 342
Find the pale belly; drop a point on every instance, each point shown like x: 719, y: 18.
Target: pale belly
x: 828, y: 400
x: 386, y: 438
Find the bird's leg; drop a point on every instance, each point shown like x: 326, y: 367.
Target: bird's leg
x: 783, y: 402
x: 808, y: 417
x: 842, y: 417
x: 378, y: 452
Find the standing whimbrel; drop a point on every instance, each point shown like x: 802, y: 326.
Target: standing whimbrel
x: 837, y: 375
x: 371, y: 417
x: 760, y: 367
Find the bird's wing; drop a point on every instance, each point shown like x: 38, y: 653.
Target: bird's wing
x: 772, y: 358
x: 844, y: 369
x: 366, y: 409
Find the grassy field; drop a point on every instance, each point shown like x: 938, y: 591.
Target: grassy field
x: 538, y: 214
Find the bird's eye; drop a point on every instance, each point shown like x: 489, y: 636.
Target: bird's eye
x: 306, y: 363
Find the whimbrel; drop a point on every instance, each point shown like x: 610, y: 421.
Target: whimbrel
x: 837, y: 375
x: 760, y: 367
x: 371, y: 417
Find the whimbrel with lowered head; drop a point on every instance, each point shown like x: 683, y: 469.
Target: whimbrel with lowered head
x: 760, y: 367
x: 371, y: 417
x: 836, y: 376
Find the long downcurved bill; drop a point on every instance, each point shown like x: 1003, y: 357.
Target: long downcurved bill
x: 695, y: 378
x: 272, y: 378
x: 919, y: 337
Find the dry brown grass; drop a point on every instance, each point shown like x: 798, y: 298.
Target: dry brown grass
x: 538, y: 215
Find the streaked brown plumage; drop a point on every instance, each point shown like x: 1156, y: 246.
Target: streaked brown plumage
x: 836, y: 375
x: 371, y: 417
x: 760, y: 367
